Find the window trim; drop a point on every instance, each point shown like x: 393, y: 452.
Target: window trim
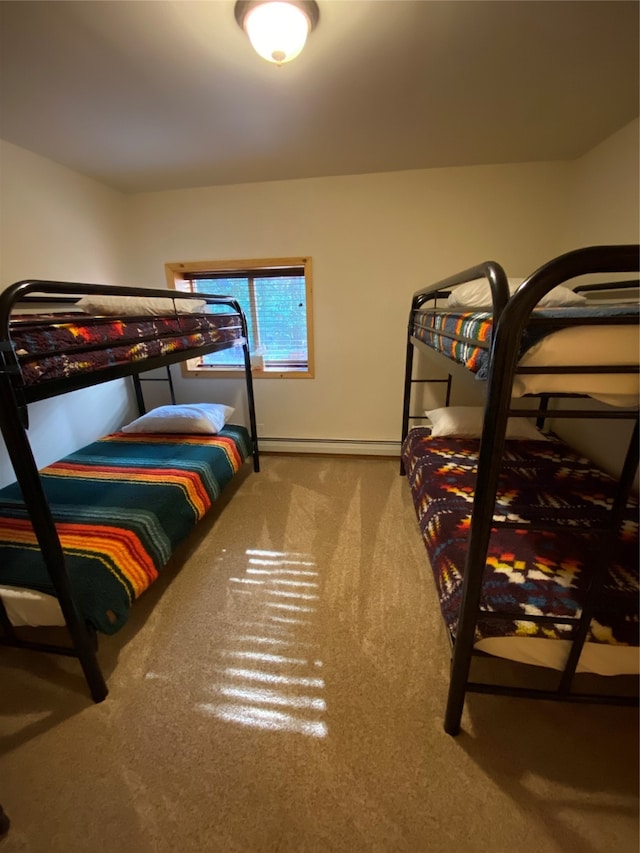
x: 177, y: 273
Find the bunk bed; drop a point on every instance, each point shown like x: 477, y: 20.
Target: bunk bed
x: 534, y: 551
x: 82, y: 538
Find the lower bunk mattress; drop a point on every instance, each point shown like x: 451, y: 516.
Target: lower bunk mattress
x: 121, y: 506
x: 529, y: 572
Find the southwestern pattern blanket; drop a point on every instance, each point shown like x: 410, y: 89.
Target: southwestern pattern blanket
x: 58, y: 346
x: 527, y: 572
x: 121, y: 506
x: 465, y: 336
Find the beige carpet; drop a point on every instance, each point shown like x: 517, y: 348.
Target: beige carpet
x: 281, y: 689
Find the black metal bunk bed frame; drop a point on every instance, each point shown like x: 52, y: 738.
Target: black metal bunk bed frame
x: 511, y: 316
x: 15, y: 397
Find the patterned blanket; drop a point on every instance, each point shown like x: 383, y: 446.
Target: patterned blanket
x: 526, y: 572
x: 121, y: 506
x: 435, y: 328
x: 58, y: 346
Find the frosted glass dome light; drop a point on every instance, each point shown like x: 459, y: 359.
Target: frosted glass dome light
x: 277, y: 29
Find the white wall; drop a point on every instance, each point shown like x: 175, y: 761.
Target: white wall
x: 374, y: 240
x: 604, y: 209
x: 57, y: 224
x: 605, y: 192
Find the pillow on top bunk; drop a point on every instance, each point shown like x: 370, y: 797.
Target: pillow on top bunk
x: 466, y: 422
x: 477, y: 294
x: 203, y: 418
x: 137, y: 305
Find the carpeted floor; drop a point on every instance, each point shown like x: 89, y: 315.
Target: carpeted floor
x: 281, y: 689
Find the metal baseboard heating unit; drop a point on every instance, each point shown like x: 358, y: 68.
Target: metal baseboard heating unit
x: 330, y: 446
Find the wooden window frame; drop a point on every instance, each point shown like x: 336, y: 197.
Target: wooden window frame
x: 177, y: 275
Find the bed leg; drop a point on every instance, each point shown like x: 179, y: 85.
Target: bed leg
x: 5, y: 624
x: 253, y: 428
x: 85, y: 645
x: 455, y: 705
x: 5, y: 823
x: 94, y: 678
x: 406, y: 402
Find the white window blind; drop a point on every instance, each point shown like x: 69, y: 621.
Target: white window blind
x: 274, y: 301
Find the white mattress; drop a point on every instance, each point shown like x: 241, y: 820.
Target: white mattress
x: 598, y: 658
x: 585, y: 345
x: 26, y: 607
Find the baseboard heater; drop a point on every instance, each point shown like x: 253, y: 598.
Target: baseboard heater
x: 331, y: 446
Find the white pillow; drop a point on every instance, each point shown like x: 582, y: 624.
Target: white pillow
x: 477, y: 294
x: 208, y: 418
x: 137, y: 305
x: 466, y: 422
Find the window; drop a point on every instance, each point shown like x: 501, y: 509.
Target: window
x: 275, y: 296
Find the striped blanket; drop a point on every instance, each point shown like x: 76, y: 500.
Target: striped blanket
x: 465, y: 336
x: 121, y: 506
x: 440, y: 330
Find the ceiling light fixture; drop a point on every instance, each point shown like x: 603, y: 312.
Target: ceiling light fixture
x: 277, y: 29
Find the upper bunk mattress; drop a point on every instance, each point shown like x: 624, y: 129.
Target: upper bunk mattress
x: 465, y: 337
x: 121, y: 506
x: 57, y: 346
x: 529, y: 572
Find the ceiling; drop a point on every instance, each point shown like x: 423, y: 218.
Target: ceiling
x: 155, y: 95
